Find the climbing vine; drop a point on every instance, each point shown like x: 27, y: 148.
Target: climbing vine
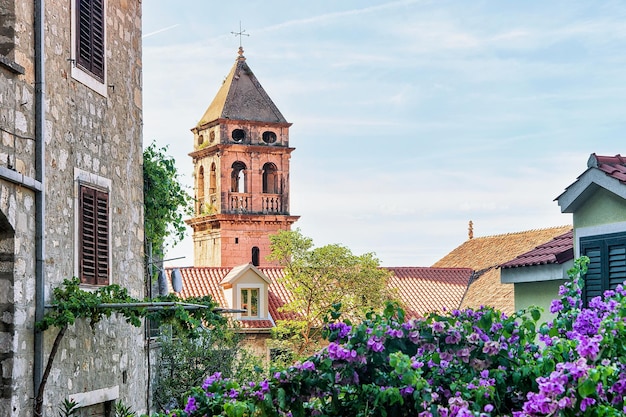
x: 71, y: 303
x: 166, y: 201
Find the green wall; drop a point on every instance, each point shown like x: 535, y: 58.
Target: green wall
x: 539, y: 293
x: 602, y: 208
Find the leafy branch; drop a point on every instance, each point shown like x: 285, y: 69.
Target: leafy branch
x: 71, y: 303
x: 165, y: 200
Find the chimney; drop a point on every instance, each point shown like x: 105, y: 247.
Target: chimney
x: 470, y: 230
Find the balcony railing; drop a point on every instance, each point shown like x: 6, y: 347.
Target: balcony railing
x: 272, y: 203
x: 265, y: 204
x: 239, y: 202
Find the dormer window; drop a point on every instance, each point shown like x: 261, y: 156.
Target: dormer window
x: 250, y: 302
x: 246, y: 288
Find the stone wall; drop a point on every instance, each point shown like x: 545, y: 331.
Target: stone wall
x: 86, y: 131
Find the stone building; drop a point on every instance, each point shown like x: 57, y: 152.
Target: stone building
x: 71, y: 198
x: 241, y: 169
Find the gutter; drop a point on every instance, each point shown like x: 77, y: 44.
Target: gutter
x: 40, y: 200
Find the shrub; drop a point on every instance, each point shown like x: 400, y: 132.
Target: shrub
x: 465, y: 363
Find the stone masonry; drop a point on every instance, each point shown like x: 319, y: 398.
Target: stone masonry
x: 88, y: 132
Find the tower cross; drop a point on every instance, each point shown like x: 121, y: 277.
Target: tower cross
x: 241, y: 33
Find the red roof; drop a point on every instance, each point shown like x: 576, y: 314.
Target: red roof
x: 421, y: 290
x: 201, y: 281
x: 558, y: 250
x: 613, y: 166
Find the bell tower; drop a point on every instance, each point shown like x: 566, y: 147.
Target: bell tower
x: 241, y: 173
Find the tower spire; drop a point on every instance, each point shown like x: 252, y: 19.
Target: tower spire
x: 241, y: 34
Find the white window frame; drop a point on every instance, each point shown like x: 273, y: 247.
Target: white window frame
x: 96, y: 181
x: 77, y: 73
x: 261, y: 307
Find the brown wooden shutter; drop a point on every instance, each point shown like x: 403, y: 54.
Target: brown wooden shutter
x: 90, y: 39
x: 94, y: 236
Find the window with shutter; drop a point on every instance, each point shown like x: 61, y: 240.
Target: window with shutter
x: 90, y: 37
x: 607, y: 263
x: 94, y: 236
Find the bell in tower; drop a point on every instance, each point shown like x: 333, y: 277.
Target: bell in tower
x: 241, y: 168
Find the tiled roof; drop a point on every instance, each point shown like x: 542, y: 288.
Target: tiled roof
x: 201, y: 281
x: 613, y: 166
x: 424, y: 290
x: 485, y: 254
x: 421, y: 290
x: 558, y: 250
x: 241, y: 97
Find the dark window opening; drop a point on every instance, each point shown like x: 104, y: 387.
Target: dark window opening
x: 238, y: 135
x: 90, y: 37
x: 213, y: 179
x: 269, y: 137
x: 238, y: 177
x: 270, y: 179
x: 607, y: 263
x: 94, y: 236
x: 200, y: 140
x: 236, y: 240
x: 255, y: 256
x: 200, y: 190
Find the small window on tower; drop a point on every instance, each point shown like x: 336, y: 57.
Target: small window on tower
x: 236, y: 240
x: 269, y: 137
x: 200, y: 140
x: 255, y: 256
x: 238, y: 135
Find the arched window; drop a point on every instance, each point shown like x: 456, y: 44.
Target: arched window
x: 238, y: 178
x: 200, y: 190
x: 270, y: 179
x: 255, y: 256
x: 213, y: 179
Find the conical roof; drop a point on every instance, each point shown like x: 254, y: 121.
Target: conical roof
x: 242, y: 97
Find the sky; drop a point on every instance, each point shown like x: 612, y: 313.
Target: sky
x: 410, y: 118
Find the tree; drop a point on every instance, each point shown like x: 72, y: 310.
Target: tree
x: 166, y: 201
x: 322, y: 280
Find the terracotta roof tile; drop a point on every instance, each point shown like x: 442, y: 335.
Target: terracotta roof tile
x: 486, y: 290
x: 201, y: 281
x: 425, y: 290
x: 485, y: 254
x: 613, y: 166
x: 558, y: 250
x: 422, y: 290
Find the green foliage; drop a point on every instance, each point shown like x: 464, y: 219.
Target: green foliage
x: 468, y: 363
x: 122, y: 410
x: 166, y: 201
x: 318, y: 279
x: 185, y: 362
x: 68, y: 408
x: 70, y: 303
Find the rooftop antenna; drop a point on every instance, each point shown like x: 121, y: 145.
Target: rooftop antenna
x: 241, y: 33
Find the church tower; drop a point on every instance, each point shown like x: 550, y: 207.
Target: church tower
x: 241, y: 173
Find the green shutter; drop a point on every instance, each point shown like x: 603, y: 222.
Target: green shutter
x: 607, y: 263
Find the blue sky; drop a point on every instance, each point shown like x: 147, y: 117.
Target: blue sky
x: 410, y: 118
